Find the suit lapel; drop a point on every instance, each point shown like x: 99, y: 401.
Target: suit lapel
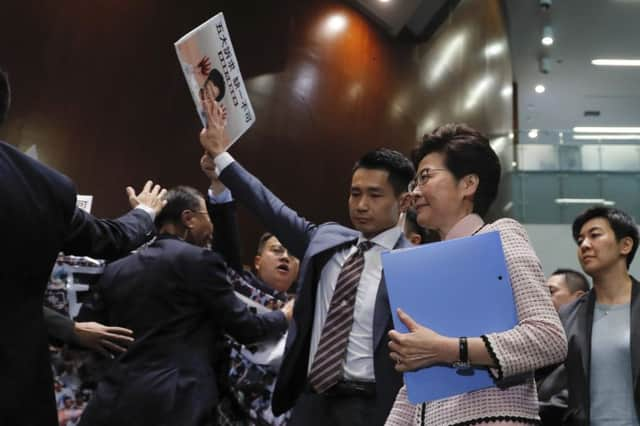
x: 584, y: 321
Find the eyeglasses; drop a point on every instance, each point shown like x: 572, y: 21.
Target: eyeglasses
x: 422, y: 177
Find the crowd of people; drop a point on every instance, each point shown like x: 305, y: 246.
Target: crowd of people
x: 188, y: 335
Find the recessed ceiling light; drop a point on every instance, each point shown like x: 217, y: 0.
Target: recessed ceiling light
x: 617, y: 62
x: 585, y: 201
x: 547, y: 36
x: 610, y: 137
x: 581, y: 129
x: 539, y: 88
x: 384, y: 1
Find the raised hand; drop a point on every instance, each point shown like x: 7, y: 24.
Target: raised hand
x: 212, y: 137
x: 151, y: 196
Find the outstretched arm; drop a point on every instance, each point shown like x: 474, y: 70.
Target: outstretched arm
x: 109, y: 239
x: 292, y: 230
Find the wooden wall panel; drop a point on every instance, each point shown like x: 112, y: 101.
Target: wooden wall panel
x: 98, y: 89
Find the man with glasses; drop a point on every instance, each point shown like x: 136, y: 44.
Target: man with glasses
x: 336, y: 369
x: 175, y: 296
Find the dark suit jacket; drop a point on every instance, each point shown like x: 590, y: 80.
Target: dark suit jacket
x: 176, y: 299
x: 314, y: 245
x: 577, y: 319
x: 39, y: 219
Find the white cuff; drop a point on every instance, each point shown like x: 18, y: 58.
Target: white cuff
x: 223, y: 197
x: 221, y: 161
x: 151, y: 212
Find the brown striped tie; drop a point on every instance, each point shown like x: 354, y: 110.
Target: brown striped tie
x: 327, y: 364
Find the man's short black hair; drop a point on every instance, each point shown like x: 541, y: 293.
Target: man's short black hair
x: 179, y: 199
x: 411, y: 222
x: 263, y: 242
x: 466, y: 151
x: 5, y: 96
x: 621, y: 222
x: 575, y: 280
x: 395, y: 163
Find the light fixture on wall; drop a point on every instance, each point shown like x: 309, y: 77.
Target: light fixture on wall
x: 547, y: 35
x: 540, y: 88
x: 533, y: 134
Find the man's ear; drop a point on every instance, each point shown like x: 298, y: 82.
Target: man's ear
x: 187, y: 218
x: 415, y: 239
x: 256, y: 262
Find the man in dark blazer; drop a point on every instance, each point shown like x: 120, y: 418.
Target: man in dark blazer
x: 175, y: 296
x: 39, y: 219
x: 369, y: 382
x: 603, y: 326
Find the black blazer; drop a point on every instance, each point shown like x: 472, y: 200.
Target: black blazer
x: 176, y: 299
x: 314, y: 245
x: 577, y: 319
x: 39, y: 219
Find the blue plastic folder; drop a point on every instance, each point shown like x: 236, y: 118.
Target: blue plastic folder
x: 458, y: 287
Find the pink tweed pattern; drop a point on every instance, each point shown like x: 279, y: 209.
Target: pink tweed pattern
x: 538, y: 340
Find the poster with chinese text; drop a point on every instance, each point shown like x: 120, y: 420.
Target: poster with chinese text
x: 211, y: 69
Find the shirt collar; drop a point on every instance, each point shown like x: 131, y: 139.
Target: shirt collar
x: 386, y: 239
x: 467, y: 226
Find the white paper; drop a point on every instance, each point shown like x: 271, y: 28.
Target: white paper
x: 208, y: 61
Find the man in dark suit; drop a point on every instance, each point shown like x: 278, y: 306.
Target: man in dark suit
x: 39, y: 219
x: 175, y: 296
x: 332, y: 375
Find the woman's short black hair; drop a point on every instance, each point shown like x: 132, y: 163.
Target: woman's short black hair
x: 218, y: 80
x: 620, y: 221
x: 466, y: 151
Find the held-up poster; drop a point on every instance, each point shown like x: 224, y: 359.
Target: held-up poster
x: 212, y: 72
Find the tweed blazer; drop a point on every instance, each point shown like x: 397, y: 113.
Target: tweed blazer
x: 538, y: 340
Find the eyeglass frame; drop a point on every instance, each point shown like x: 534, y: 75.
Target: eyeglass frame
x: 422, y: 177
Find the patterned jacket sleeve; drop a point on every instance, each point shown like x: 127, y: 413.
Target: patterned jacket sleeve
x: 538, y: 340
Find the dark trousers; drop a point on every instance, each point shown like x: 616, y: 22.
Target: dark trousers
x: 313, y: 409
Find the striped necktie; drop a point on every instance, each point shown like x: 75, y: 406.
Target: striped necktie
x: 326, y: 369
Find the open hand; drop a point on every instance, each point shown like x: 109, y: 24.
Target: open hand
x: 150, y: 196
x: 103, y: 339
x: 212, y: 137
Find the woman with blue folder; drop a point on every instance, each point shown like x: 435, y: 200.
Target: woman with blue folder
x: 457, y: 180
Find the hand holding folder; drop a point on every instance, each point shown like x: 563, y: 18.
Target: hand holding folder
x: 456, y: 288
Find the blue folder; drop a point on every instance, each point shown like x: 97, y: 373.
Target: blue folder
x: 458, y: 287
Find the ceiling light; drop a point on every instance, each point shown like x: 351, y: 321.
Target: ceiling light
x: 582, y: 129
x: 617, y: 62
x: 585, y: 201
x: 540, y: 88
x: 547, y: 36
x: 384, y: 1
x: 533, y: 133
x: 614, y: 137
